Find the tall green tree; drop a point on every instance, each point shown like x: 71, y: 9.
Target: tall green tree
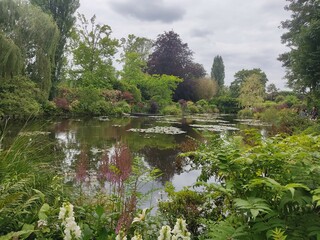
x: 241, y: 76
x: 252, y: 91
x: 62, y: 12
x: 93, y: 50
x: 10, y: 58
x: 32, y: 36
x: 302, y: 62
x: 217, y: 71
x: 134, y: 57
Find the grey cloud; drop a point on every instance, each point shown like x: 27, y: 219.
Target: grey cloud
x: 200, y: 33
x: 147, y: 10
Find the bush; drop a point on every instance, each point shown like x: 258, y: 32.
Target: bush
x: 226, y: 104
x: 154, y: 107
x: 245, y: 113
x: 171, y: 110
x: 284, y: 120
x: 122, y: 107
x: 192, y: 108
x: 101, y: 108
x: 50, y: 108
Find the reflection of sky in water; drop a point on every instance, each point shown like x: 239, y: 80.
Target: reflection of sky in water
x: 156, y: 150
x: 66, y: 139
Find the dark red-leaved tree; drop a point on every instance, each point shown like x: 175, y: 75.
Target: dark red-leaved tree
x: 173, y: 57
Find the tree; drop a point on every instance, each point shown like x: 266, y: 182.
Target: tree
x: 252, y: 91
x: 302, y: 62
x: 93, y: 51
x: 272, y: 91
x: 134, y: 57
x: 10, y: 58
x: 243, y: 74
x: 173, y: 57
x: 62, y: 12
x: 170, y: 56
x: 32, y: 36
x: 204, y: 88
x: 217, y: 71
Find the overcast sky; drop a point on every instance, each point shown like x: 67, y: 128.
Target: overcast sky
x: 245, y: 33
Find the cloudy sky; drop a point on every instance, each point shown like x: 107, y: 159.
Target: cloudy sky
x: 245, y: 33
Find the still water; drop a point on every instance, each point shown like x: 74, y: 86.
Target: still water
x: 157, y: 141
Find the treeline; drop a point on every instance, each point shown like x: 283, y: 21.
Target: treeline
x: 51, y: 65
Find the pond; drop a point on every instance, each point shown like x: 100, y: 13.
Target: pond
x: 157, y: 140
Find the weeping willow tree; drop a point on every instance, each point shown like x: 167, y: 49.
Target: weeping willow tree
x: 10, y: 58
x: 28, y: 43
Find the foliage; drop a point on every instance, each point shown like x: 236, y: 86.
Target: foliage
x: 242, y: 75
x: 204, y: 88
x: 36, y: 38
x: 272, y: 91
x: 172, y: 110
x: 18, y: 96
x: 93, y: 49
x: 63, y: 15
x: 284, y: 120
x: 217, y: 71
x: 10, y: 57
x: 302, y: 38
x: 245, y: 113
x: 226, y: 104
x: 173, y: 57
x: 136, y: 50
x: 186, y: 204
x: 28, y: 181
x: 251, y: 92
x: 272, y: 185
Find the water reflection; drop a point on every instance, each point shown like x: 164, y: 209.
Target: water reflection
x: 85, y: 142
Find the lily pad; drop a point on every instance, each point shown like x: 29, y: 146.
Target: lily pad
x: 157, y: 129
x: 214, y: 128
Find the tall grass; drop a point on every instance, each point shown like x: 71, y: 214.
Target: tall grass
x: 27, y: 179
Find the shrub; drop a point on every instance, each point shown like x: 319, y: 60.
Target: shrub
x: 226, y: 104
x: 154, y: 107
x: 171, y: 110
x: 284, y: 120
x: 246, y: 113
x: 122, y: 107
x: 50, y: 108
x: 192, y: 108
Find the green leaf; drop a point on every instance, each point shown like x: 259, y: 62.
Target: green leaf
x: 43, y: 212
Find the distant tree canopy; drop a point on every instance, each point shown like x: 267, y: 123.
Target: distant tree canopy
x: 302, y: 62
x: 242, y: 75
x: 217, y: 71
x: 173, y: 57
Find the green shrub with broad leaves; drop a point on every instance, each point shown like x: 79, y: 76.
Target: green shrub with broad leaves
x: 267, y: 191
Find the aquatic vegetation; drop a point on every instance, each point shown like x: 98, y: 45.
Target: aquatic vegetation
x: 157, y: 129
x: 214, y: 128
x: 33, y: 133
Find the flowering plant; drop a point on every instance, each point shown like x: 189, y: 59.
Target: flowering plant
x: 71, y: 229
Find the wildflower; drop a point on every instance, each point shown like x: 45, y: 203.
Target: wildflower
x: 180, y: 230
x: 121, y: 236
x: 137, y: 237
x: 71, y: 229
x: 165, y: 233
x: 42, y: 223
x: 141, y: 217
